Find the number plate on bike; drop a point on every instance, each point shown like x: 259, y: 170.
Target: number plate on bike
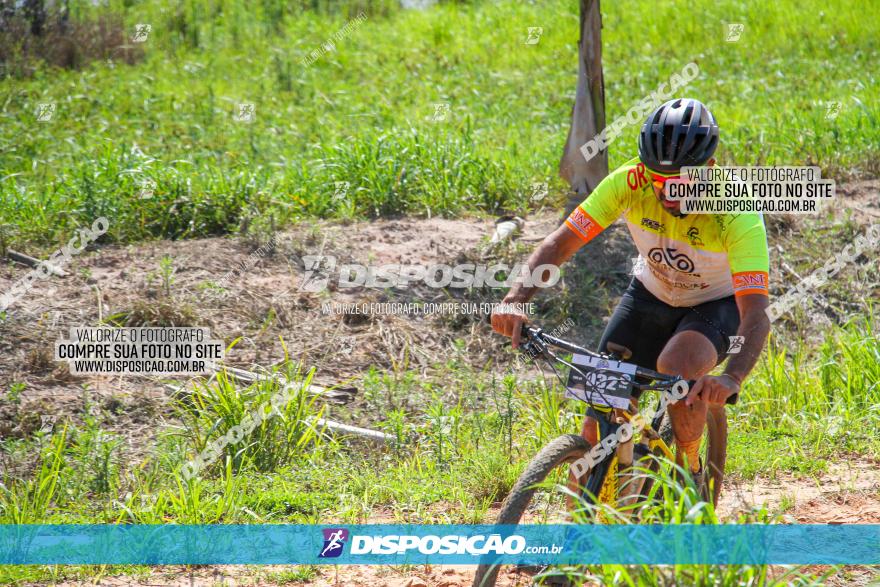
x: 607, y: 383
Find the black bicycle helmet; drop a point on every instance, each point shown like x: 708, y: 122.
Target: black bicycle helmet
x: 678, y: 133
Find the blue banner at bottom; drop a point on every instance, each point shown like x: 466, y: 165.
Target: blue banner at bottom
x: 440, y: 544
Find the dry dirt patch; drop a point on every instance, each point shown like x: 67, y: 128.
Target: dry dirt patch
x: 261, y: 304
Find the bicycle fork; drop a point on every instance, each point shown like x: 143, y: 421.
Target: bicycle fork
x: 630, y: 455
x: 633, y: 458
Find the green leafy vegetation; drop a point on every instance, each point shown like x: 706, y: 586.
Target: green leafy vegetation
x: 151, y: 139
x: 156, y: 146
x: 804, y: 407
x: 464, y: 439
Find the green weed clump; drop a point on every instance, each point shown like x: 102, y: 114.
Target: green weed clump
x: 157, y: 148
x: 283, y: 420
x: 802, y: 407
x: 29, y: 501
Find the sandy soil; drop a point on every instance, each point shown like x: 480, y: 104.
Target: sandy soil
x: 261, y: 304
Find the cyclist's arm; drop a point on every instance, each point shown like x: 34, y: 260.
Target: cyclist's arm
x: 754, y: 327
x: 556, y: 249
x: 600, y: 209
x: 746, y: 242
x: 578, y: 229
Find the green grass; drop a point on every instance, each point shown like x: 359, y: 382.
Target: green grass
x: 298, y: 575
x: 802, y: 408
x: 154, y: 146
x: 213, y: 411
x: 466, y: 437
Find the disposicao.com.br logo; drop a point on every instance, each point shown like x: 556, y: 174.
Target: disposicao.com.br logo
x: 320, y: 270
x: 334, y: 542
x: 493, y: 544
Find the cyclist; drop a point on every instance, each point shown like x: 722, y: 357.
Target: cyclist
x: 703, y: 277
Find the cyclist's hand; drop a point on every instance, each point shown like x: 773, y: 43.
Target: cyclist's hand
x: 508, y: 320
x: 713, y: 389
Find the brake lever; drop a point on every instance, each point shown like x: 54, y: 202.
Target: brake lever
x: 533, y: 345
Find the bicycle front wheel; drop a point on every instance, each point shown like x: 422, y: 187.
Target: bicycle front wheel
x: 559, y: 452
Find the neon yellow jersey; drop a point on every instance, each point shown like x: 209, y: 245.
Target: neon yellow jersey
x: 683, y: 261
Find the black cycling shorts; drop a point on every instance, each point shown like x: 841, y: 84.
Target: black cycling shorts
x: 644, y: 324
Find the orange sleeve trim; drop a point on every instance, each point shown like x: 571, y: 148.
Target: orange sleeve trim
x: 583, y: 225
x: 751, y: 282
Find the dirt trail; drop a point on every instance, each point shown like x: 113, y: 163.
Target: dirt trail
x: 847, y: 493
x: 261, y: 303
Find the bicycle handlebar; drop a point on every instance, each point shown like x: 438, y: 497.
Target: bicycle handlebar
x: 539, y: 339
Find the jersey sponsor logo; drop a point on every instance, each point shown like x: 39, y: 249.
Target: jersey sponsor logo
x: 750, y: 282
x: 583, y: 224
x: 668, y: 256
x: 653, y: 224
x: 635, y: 177
x: 582, y: 220
x: 693, y: 235
x: 679, y: 284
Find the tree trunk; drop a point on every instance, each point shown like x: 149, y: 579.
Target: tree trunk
x: 588, y: 114
x: 35, y: 12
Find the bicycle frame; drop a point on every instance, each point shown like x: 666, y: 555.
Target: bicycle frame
x: 609, y: 419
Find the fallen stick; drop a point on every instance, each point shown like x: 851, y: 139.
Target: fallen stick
x: 338, y: 395
x: 816, y: 295
x: 869, y: 212
x: 31, y: 262
x: 341, y: 428
x: 341, y: 395
x: 332, y: 425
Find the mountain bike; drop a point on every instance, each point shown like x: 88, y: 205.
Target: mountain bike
x: 609, y: 474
